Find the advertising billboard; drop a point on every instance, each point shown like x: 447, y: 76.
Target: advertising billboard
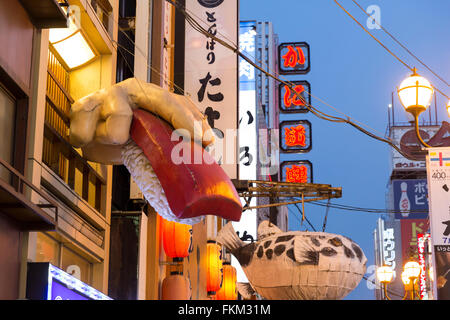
x: 405, y: 137
x: 410, y: 198
x: 438, y: 176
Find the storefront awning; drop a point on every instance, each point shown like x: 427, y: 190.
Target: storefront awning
x: 45, y: 13
x: 28, y: 215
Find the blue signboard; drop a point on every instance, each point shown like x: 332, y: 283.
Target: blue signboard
x: 47, y: 282
x: 410, y: 198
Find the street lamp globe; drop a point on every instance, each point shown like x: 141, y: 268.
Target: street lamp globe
x: 385, y: 274
x: 412, y: 270
x: 448, y: 107
x: 415, y: 93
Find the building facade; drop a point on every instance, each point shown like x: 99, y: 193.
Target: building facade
x: 404, y: 234
x: 41, y: 81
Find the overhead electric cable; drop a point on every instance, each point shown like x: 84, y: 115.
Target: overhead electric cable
x: 380, y: 43
x: 400, y: 44
x: 311, y: 108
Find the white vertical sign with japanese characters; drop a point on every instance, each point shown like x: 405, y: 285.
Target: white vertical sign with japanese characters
x: 211, y: 72
x: 438, y: 175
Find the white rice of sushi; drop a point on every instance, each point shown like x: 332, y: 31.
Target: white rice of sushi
x: 143, y: 174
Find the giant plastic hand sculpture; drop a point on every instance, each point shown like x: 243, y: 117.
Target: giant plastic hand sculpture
x: 133, y: 123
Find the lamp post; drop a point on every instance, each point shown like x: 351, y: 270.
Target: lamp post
x: 415, y: 94
x: 385, y: 275
x: 410, y: 274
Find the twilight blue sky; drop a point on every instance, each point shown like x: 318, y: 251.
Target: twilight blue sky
x: 354, y: 74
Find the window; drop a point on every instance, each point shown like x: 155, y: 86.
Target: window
x: 47, y: 249
x: 7, y: 121
x: 50, y: 250
x: 58, y: 154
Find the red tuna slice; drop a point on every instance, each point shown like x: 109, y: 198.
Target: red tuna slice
x: 191, y: 189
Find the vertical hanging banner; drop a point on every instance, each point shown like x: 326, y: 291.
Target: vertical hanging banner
x: 421, y: 244
x: 295, y: 136
x: 297, y: 171
x: 294, y: 58
x: 247, y: 102
x: 211, y: 72
x: 294, y: 100
x: 438, y: 174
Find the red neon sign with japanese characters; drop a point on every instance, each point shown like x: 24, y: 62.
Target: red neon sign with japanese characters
x: 295, y: 98
x: 291, y: 98
x: 296, y: 171
x: 294, y: 58
x: 295, y: 136
x: 297, y: 174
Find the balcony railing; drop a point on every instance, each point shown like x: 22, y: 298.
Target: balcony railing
x: 15, y: 202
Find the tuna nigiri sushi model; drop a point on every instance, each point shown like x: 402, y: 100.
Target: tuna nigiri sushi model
x: 296, y: 265
x: 139, y: 124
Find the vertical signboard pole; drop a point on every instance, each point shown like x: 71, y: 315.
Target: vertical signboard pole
x: 438, y: 175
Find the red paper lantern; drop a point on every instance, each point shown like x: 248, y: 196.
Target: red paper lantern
x: 175, y: 287
x: 213, y: 267
x: 228, y: 289
x: 177, y: 239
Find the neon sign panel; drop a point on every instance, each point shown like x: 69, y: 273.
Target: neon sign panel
x: 297, y: 171
x: 296, y: 99
x: 294, y: 58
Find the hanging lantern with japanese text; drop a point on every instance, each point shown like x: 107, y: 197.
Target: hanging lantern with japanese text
x: 213, y: 267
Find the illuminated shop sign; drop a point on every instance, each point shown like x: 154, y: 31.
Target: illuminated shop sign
x: 47, y: 282
x: 297, y: 171
x: 211, y: 74
x: 421, y: 243
x: 296, y: 98
x: 295, y: 136
x: 389, y: 248
x: 294, y: 58
x: 410, y: 198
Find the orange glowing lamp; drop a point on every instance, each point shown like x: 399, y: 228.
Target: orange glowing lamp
x: 213, y: 267
x: 228, y: 289
x: 177, y: 239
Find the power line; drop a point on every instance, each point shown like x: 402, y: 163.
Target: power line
x: 299, y: 210
x: 380, y: 43
x: 195, y: 25
x: 399, y: 43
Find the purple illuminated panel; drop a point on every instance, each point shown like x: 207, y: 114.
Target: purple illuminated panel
x: 62, y: 292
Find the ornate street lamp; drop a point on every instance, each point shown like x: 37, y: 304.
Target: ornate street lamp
x: 411, y: 272
x: 385, y: 275
x: 415, y: 94
x: 448, y: 107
